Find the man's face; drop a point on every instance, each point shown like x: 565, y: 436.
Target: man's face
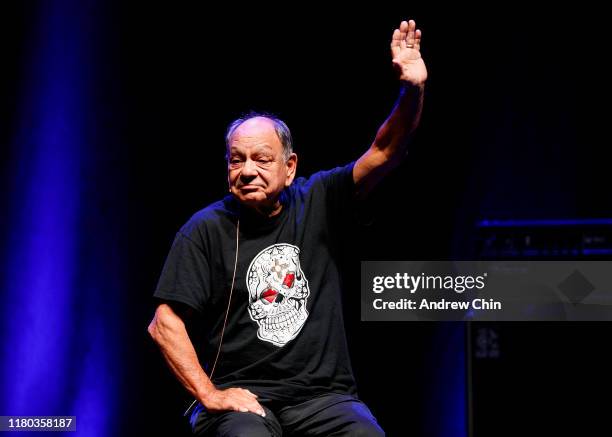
x: 257, y: 170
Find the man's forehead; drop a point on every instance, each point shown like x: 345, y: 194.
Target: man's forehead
x: 255, y: 127
x: 257, y: 132
x: 237, y: 146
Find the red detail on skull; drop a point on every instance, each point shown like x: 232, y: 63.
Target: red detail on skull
x: 289, y: 278
x: 269, y: 295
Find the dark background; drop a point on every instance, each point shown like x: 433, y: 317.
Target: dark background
x: 515, y: 125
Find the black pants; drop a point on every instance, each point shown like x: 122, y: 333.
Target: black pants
x: 327, y: 415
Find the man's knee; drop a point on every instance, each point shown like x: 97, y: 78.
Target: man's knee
x: 236, y: 424
x: 352, y: 418
x: 362, y: 422
x: 243, y: 428
x: 364, y: 428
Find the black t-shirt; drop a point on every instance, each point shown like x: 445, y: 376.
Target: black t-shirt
x: 285, y: 337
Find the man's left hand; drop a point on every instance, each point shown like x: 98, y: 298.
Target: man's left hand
x: 406, y: 52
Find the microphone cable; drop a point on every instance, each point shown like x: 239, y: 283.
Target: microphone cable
x: 195, y: 401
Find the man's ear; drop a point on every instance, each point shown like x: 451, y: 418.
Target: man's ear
x: 291, y: 168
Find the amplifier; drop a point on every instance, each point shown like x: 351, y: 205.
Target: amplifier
x: 559, y: 238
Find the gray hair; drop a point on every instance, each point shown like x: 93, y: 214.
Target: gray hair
x: 282, y: 131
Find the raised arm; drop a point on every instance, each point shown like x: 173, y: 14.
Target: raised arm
x: 168, y: 330
x: 389, y: 146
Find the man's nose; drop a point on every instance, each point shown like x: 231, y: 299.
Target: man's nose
x: 249, y: 169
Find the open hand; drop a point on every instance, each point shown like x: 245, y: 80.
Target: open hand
x: 406, y: 52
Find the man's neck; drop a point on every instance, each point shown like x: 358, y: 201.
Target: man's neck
x: 269, y: 211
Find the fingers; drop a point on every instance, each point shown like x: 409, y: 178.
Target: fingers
x: 406, y: 36
x: 250, y: 392
x: 403, y: 33
x: 245, y: 401
x: 395, y: 43
x: 410, y: 32
x: 250, y: 406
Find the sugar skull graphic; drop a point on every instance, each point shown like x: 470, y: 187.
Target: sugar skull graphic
x: 278, y: 292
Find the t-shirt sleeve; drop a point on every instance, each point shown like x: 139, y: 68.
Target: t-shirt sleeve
x: 342, y: 200
x: 339, y: 187
x: 185, y: 275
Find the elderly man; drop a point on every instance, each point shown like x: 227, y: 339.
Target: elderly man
x: 259, y: 269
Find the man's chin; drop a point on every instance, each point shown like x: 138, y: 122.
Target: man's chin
x: 252, y: 199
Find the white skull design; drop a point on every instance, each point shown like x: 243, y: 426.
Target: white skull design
x: 278, y: 291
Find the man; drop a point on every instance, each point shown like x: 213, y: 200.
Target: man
x: 259, y: 270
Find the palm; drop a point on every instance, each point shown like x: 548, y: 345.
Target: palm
x: 406, y: 52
